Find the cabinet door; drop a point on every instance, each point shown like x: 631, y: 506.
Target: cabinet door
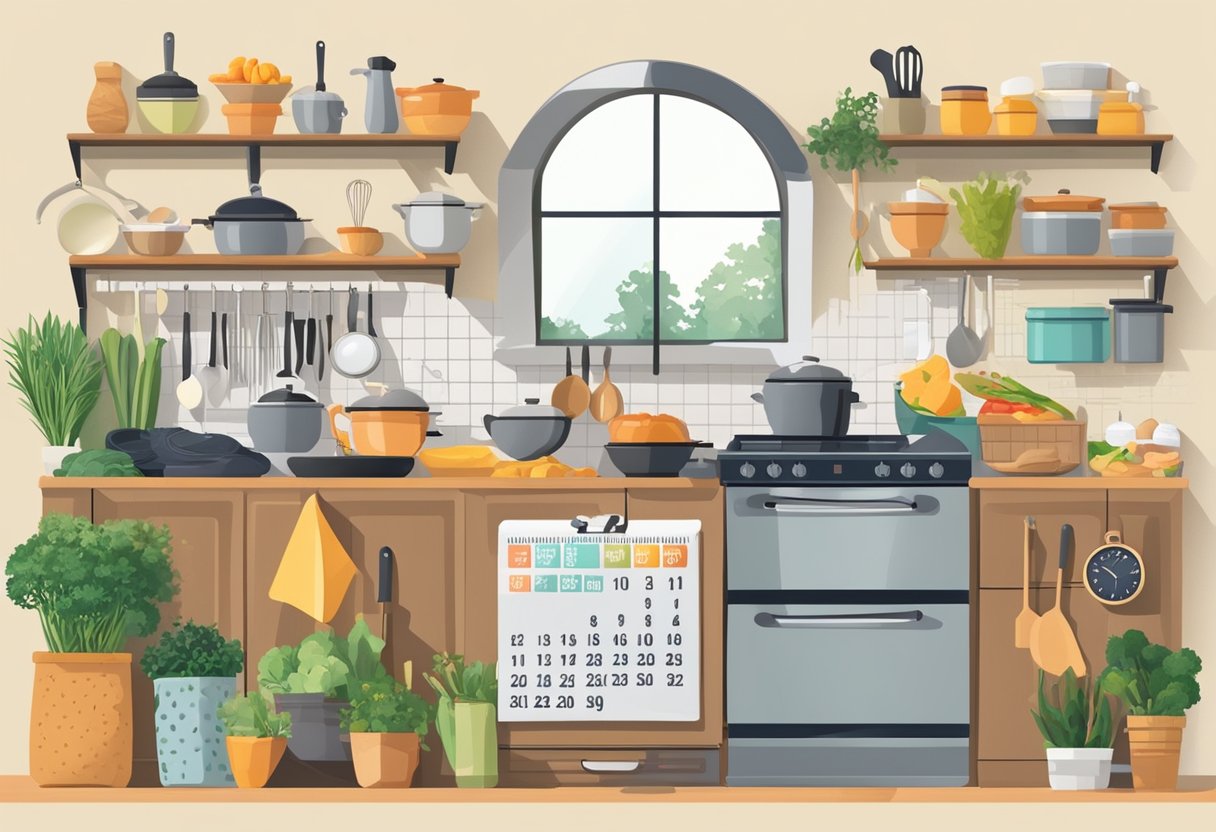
x: 208, y: 553
x: 1002, y: 534
x: 1151, y: 523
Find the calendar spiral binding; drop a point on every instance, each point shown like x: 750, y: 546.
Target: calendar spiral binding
x: 607, y: 538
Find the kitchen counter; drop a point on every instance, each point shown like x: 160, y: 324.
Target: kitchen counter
x: 1074, y: 483
x: 565, y: 484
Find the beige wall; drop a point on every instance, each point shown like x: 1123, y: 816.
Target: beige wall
x: 793, y: 55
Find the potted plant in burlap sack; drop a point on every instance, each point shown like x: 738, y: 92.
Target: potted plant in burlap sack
x: 387, y: 723
x: 1078, y: 728
x: 1158, y: 685
x: 193, y: 671
x: 466, y: 718
x: 94, y: 586
x: 256, y: 738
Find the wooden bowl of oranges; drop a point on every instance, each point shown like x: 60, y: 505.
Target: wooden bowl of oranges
x: 249, y: 81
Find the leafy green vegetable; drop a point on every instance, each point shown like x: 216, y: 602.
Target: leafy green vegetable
x: 1151, y: 679
x: 58, y: 376
x: 453, y: 681
x: 986, y: 206
x: 323, y: 663
x: 251, y: 716
x: 385, y: 706
x: 100, y: 462
x: 192, y: 650
x: 92, y: 585
x: 999, y: 388
x: 1072, y: 715
x: 134, y: 384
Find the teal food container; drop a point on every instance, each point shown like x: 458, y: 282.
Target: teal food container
x: 1067, y: 334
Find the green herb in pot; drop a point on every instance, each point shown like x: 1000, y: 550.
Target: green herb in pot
x: 100, y: 462
x: 134, y: 384
x: 251, y: 716
x: 986, y: 206
x: 58, y: 376
x: 191, y: 649
x: 385, y: 706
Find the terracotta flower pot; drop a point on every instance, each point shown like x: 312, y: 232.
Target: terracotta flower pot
x: 918, y: 226
x: 385, y: 761
x: 254, y: 759
x: 1156, y: 744
x: 80, y: 722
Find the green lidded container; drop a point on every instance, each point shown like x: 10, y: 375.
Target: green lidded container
x: 1067, y: 334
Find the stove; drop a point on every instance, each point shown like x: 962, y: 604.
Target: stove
x: 848, y: 618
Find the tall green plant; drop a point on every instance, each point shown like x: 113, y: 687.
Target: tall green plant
x: 1074, y: 715
x: 134, y: 384
x: 453, y: 681
x: 986, y: 206
x: 94, y: 586
x: 1151, y: 679
x: 58, y: 376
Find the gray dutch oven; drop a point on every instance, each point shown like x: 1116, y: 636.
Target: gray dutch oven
x: 315, y: 109
x: 255, y: 224
x: 286, y: 421
x: 808, y: 399
x: 437, y: 223
x: 529, y: 431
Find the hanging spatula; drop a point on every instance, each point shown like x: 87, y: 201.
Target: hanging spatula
x: 1053, y: 644
x: 1023, y: 624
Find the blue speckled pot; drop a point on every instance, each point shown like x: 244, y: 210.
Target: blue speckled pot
x: 190, y: 747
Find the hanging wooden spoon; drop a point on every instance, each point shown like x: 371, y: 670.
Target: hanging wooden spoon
x: 606, y: 401
x: 571, y: 395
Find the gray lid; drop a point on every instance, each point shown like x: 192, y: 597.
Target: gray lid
x: 287, y: 395
x: 438, y: 198
x: 808, y: 369
x: 402, y: 399
x: 533, y: 409
x: 314, y: 94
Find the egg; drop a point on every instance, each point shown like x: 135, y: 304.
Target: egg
x: 1167, y: 435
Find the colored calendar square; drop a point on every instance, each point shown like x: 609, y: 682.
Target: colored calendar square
x: 519, y: 556
x: 593, y: 583
x: 675, y: 556
x: 581, y: 556
x: 616, y: 555
x: 544, y: 583
x: 547, y: 555
x: 571, y: 583
x: 646, y: 556
x: 519, y: 583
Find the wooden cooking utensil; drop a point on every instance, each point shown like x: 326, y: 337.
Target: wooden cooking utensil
x: 571, y: 395
x: 1053, y: 644
x: 1023, y: 624
x: 606, y: 400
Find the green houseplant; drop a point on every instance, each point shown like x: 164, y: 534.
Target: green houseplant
x: 134, y: 382
x: 986, y: 206
x: 1078, y: 729
x: 98, y: 462
x: 94, y: 586
x: 193, y: 671
x: 466, y: 718
x: 58, y: 378
x: 849, y: 142
x: 387, y: 723
x: 256, y: 737
x: 1158, y: 685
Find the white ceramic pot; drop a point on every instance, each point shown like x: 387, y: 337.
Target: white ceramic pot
x: 437, y: 223
x: 1074, y: 769
x: 53, y: 456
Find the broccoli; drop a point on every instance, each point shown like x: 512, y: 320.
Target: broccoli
x: 1151, y: 679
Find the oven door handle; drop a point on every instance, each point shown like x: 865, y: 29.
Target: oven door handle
x: 611, y: 766
x: 882, y: 619
x: 823, y: 505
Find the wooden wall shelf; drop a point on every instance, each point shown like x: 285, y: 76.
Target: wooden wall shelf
x: 1155, y: 142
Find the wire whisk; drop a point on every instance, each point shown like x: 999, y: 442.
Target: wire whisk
x: 358, y: 197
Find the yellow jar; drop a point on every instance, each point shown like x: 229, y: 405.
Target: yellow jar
x: 1016, y: 117
x: 1120, y: 118
x: 964, y: 111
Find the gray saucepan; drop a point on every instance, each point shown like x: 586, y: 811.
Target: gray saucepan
x: 808, y: 399
x: 529, y: 431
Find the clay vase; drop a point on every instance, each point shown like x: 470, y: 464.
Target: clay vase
x: 254, y: 759
x: 918, y: 226
x: 385, y: 761
x: 107, y: 110
x: 80, y: 722
x: 1156, y: 744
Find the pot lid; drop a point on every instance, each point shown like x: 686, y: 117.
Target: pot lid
x: 1138, y: 207
x: 440, y: 198
x: 287, y: 395
x: 1065, y: 200
x: 1067, y: 313
x: 381, y: 62
x: 438, y: 87
x: 386, y: 399
x: 533, y: 409
x: 254, y: 207
x: 972, y: 87
x: 808, y: 369
x: 168, y: 84
x: 314, y: 94
x: 1140, y: 305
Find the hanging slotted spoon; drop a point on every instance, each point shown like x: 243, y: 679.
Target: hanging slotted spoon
x: 963, y: 346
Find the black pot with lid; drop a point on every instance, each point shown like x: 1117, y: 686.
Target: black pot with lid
x: 807, y: 398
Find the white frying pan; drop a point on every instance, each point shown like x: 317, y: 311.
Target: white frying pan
x: 356, y: 354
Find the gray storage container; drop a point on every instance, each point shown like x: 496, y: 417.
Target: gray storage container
x: 1141, y: 242
x: 1061, y: 232
x: 1139, y: 330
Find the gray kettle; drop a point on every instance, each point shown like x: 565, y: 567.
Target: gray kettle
x: 380, y: 114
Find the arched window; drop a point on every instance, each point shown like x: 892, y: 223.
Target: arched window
x: 681, y: 172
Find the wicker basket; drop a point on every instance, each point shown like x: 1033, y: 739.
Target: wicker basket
x: 1049, y: 447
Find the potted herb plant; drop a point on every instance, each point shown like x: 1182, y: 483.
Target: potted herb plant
x: 94, y: 586
x: 849, y: 142
x: 466, y: 718
x: 1078, y: 730
x: 58, y: 378
x: 312, y: 681
x: 256, y: 737
x: 193, y: 671
x: 387, y: 723
x: 1157, y: 685
x: 986, y: 206
x: 134, y: 381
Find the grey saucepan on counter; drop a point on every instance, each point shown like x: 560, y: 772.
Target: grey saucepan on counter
x: 437, y: 223
x: 315, y: 109
x: 255, y: 224
x: 652, y: 459
x: 808, y: 399
x: 286, y: 421
x: 529, y: 431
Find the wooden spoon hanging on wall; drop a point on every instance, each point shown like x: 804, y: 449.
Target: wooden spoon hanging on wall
x: 571, y: 395
x: 606, y: 400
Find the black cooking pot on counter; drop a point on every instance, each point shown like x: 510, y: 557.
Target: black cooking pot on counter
x: 808, y: 399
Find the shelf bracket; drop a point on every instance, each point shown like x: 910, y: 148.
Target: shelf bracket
x: 449, y: 281
x: 74, y: 149
x: 253, y: 163
x: 1159, y: 276
x: 449, y: 157
x: 1155, y: 160
x: 82, y: 295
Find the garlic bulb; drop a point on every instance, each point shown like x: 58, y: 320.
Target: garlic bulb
x: 1120, y: 433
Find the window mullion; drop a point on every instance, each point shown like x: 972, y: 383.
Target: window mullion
x: 656, y: 312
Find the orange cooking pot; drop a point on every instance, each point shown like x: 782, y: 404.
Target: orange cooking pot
x: 436, y: 109
x: 392, y: 423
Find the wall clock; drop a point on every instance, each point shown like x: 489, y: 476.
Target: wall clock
x: 1114, y: 572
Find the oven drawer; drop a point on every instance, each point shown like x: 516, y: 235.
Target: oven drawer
x: 848, y: 538
x: 543, y: 767
x: 847, y: 664
x: 877, y: 761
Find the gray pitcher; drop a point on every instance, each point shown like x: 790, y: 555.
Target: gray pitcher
x: 380, y: 114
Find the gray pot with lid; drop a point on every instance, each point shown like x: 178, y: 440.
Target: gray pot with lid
x: 807, y: 399
x: 255, y: 224
x: 286, y: 421
x: 437, y: 223
x: 316, y: 109
x: 530, y: 430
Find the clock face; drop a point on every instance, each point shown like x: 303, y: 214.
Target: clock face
x: 1114, y: 574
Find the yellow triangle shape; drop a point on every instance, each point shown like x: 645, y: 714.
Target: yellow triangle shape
x: 316, y: 570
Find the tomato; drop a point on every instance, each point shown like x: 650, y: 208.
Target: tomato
x: 1003, y: 407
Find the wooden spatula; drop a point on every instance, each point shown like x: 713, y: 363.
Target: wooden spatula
x: 1023, y: 624
x: 1053, y: 644
x: 606, y: 401
x: 571, y: 395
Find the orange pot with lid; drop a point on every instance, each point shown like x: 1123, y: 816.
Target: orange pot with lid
x: 1137, y: 215
x: 392, y: 423
x: 964, y: 111
x: 436, y: 109
x: 1065, y: 200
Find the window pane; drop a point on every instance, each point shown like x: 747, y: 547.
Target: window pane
x: 605, y: 162
x: 709, y: 162
x: 726, y: 274
x: 596, y: 278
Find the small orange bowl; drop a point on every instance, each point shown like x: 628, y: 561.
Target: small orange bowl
x: 360, y: 240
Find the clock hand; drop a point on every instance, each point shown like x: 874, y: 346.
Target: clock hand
x: 1109, y: 572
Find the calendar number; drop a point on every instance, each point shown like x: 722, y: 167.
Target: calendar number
x: 595, y: 703
x: 675, y: 680
x: 517, y: 639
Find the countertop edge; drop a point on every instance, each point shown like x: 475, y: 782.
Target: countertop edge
x: 52, y: 484
x: 1079, y: 483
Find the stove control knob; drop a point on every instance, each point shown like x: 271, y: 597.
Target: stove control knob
x: 747, y: 470
x: 907, y: 470
x: 882, y: 470
x: 773, y: 470
x: 799, y: 470
x: 936, y: 470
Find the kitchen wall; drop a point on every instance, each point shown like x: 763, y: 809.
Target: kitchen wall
x: 794, y: 56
